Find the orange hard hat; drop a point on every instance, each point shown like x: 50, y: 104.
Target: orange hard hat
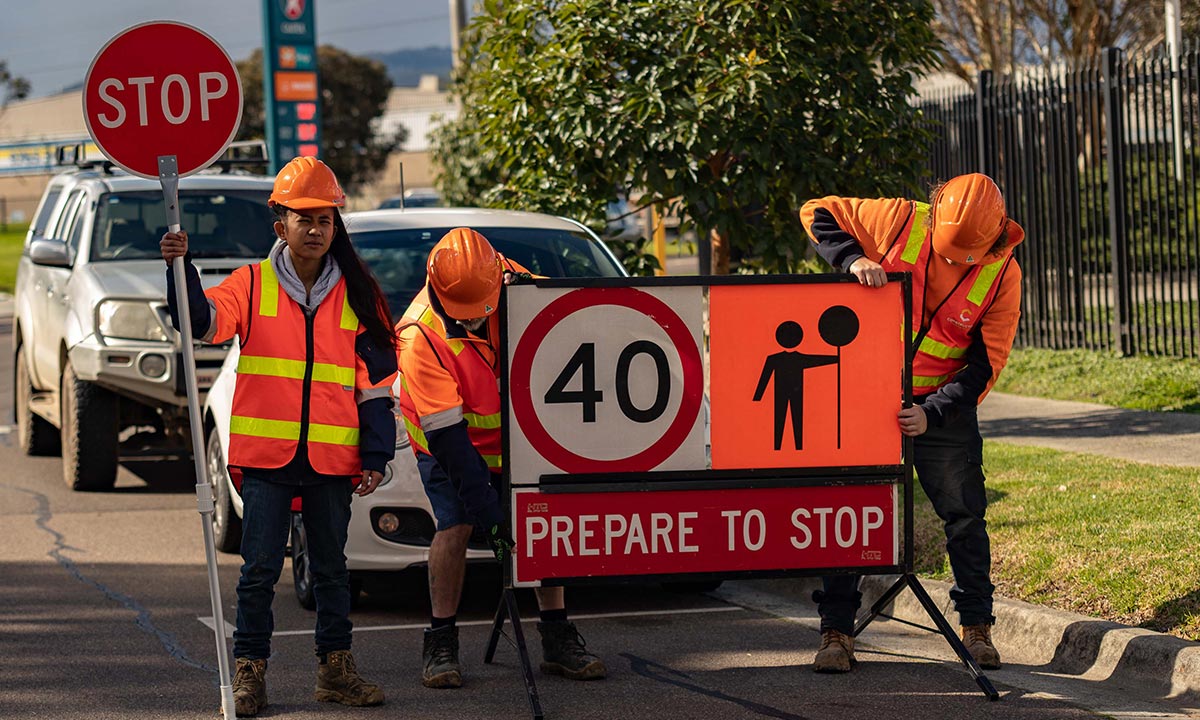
x: 466, y: 274
x: 968, y: 218
x: 306, y: 183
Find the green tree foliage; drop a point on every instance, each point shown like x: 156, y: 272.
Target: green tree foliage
x: 354, y: 92
x: 735, y: 110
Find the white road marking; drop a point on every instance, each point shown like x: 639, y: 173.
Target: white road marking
x: 208, y: 621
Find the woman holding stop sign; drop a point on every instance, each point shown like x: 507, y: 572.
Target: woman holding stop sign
x: 311, y: 415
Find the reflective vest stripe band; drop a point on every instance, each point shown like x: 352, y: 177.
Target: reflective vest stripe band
x: 418, y: 437
x: 932, y: 347
x: 268, y: 296
x: 288, y: 430
x: 926, y: 381
x: 984, y: 281
x: 294, y: 369
x: 916, y: 237
x: 349, y: 319
x: 417, y: 434
x: 486, y: 422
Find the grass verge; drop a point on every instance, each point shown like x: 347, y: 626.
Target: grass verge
x: 11, y: 241
x: 1139, y: 383
x: 1093, y: 535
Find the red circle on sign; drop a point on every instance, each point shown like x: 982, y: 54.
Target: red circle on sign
x: 521, y: 393
x: 162, y: 88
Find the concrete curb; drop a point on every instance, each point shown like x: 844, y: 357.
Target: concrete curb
x: 1067, y: 643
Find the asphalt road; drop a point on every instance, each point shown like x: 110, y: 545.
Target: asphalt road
x: 103, y: 598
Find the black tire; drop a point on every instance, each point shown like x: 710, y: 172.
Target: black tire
x: 301, y: 572
x: 89, y: 433
x: 34, y: 433
x: 226, y: 524
x: 692, y: 586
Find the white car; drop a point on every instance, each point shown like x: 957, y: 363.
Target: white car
x: 391, y: 528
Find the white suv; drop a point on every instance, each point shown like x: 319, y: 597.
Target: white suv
x: 95, y: 358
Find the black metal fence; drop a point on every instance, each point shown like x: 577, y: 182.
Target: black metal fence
x: 1099, y: 164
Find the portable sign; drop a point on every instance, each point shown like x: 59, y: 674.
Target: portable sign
x: 163, y: 100
x: 162, y: 88
x: 605, y: 380
x: 805, y: 375
x: 574, y: 535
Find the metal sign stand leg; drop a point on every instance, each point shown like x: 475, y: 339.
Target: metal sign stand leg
x: 935, y: 614
x: 508, y: 607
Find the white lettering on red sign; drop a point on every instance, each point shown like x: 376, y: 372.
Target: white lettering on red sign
x: 174, y: 92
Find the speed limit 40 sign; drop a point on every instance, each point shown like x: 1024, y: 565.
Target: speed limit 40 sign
x: 605, y: 380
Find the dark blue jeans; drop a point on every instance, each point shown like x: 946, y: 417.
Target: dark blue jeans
x: 949, y: 464
x: 266, y: 521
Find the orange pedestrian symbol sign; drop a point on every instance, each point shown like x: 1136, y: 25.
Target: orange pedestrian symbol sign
x: 805, y: 375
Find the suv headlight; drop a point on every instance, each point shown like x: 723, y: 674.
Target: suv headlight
x: 129, y: 320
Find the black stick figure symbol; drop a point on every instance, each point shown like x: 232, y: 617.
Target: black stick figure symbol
x: 788, y: 370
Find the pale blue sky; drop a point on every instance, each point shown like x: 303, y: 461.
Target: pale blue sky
x: 52, y: 42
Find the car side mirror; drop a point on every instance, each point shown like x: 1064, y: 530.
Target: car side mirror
x: 49, y: 252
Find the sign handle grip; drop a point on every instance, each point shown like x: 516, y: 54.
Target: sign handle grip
x: 168, y: 176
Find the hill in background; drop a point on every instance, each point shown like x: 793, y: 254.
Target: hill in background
x: 405, y: 67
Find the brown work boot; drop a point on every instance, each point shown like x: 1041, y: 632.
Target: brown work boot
x: 564, y: 653
x: 978, y: 639
x: 439, y: 658
x: 836, y: 654
x: 249, y: 687
x: 338, y: 681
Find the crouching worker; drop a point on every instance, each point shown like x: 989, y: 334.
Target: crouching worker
x: 449, y: 369
x: 312, y: 415
x: 966, y: 301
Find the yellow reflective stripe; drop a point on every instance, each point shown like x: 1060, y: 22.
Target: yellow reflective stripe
x: 268, y: 297
x: 287, y: 430
x: 333, y: 434
x: 984, y: 281
x: 940, y: 350
x: 483, y: 422
x: 916, y: 235
x: 349, y: 319
x: 417, y: 434
x: 428, y: 318
x: 259, y: 427
x: 929, y: 380
x: 294, y: 369
x: 493, y: 461
x: 456, y: 346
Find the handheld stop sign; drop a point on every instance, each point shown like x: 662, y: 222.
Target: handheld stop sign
x: 163, y: 100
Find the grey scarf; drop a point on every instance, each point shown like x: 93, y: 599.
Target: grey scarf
x: 281, y: 261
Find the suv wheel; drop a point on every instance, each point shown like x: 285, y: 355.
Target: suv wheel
x: 89, y: 433
x: 227, y: 526
x: 301, y: 572
x: 35, y: 434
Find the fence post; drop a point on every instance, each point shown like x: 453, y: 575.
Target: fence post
x: 985, y: 127
x: 1115, y: 155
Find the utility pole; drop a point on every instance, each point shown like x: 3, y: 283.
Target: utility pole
x: 458, y: 25
x: 1171, y: 15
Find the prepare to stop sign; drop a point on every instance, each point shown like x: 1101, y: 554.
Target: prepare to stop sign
x: 162, y: 88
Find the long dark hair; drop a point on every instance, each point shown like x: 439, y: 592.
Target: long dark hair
x: 362, y: 289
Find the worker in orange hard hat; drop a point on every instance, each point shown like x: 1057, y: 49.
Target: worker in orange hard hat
x: 450, y: 398
x: 966, y: 302
x: 296, y: 432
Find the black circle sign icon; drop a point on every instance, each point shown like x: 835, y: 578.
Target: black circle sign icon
x: 838, y: 326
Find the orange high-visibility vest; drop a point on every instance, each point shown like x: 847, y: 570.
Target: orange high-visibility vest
x: 939, y: 357
x: 472, y: 364
x: 296, y: 380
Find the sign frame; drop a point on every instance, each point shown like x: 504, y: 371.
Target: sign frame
x: 900, y: 475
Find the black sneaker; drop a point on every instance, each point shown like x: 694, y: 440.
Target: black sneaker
x: 563, y: 653
x: 441, y: 659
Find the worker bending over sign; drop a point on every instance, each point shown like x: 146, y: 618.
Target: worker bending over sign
x: 449, y: 394
x: 966, y: 301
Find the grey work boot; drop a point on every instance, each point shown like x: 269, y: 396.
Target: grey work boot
x: 563, y: 653
x: 338, y: 681
x: 836, y: 654
x: 978, y: 639
x: 440, y: 656
x: 249, y: 687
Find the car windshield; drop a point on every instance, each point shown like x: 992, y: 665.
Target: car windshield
x: 219, y: 223
x: 397, y: 257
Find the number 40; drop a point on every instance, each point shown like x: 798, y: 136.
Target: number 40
x: 585, y: 359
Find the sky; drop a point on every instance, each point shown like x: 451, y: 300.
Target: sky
x: 52, y: 42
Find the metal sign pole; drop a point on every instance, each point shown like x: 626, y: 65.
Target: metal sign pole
x: 168, y: 176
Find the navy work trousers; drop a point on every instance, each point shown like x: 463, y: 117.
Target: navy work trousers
x: 266, y: 522
x: 949, y: 464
